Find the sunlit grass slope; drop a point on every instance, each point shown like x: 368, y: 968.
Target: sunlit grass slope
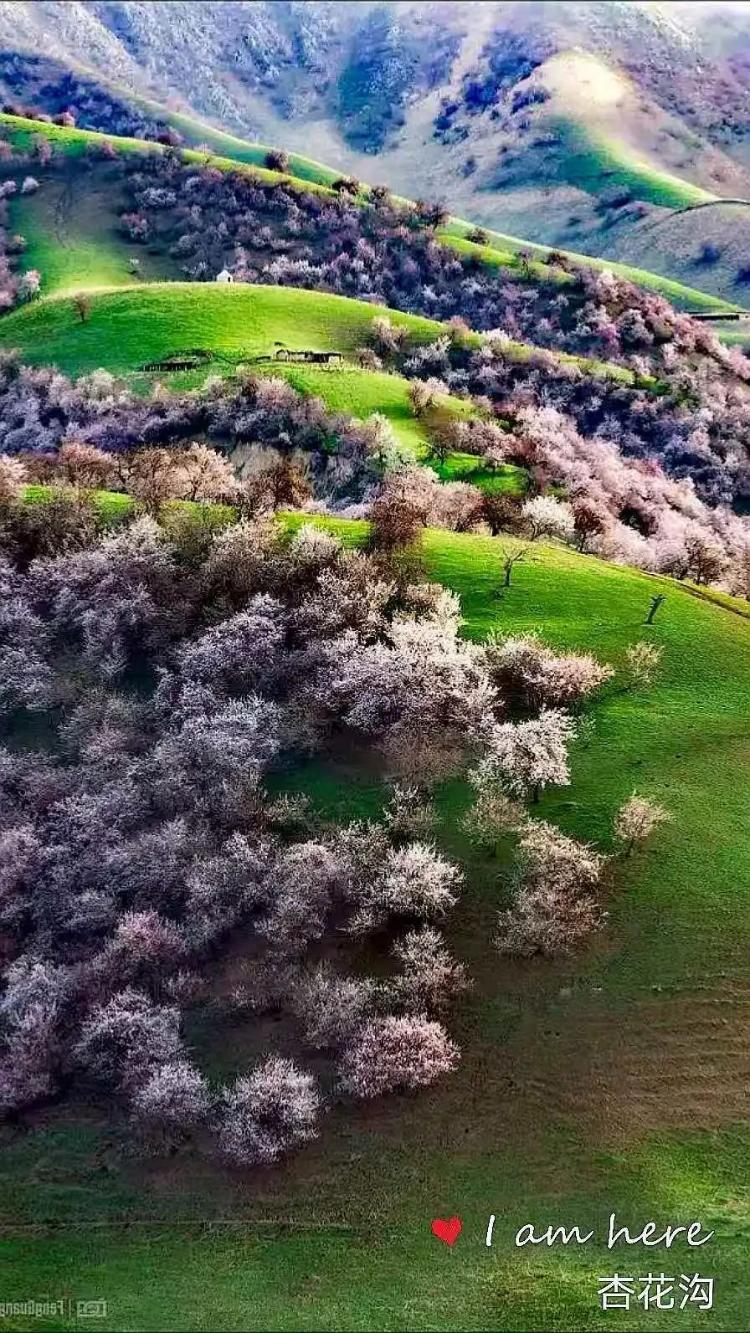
x: 73, y: 142
x: 611, y: 1082
x: 126, y: 329
x: 594, y: 161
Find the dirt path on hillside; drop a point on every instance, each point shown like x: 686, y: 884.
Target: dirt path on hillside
x: 62, y: 211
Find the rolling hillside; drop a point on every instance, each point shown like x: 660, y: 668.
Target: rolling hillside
x: 74, y: 240
x: 125, y: 329
x: 614, y: 1081
x: 568, y: 123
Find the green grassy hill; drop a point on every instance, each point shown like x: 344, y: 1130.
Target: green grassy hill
x: 125, y: 329
x: 95, y: 249
x: 615, y: 1081
x: 129, y: 328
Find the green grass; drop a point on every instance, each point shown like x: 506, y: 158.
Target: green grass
x: 467, y: 467
x: 71, y: 142
x: 128, y: 328
x: 593, y: 162
x: 360, y: 393
x: 86, y: 259
x: 197, y: 132
x: 73, y: 238
x: 563, y: 1109
x: 232, y: 146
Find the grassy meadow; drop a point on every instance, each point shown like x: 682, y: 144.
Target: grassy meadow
x: 614, y: 1081
x: 125, y: 329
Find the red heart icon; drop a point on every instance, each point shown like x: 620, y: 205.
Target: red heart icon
x: 447, y: 1229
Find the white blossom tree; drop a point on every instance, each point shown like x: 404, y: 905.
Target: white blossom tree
x: 330, y: 1006
x: 429, y: 979
x: 269, y: 1112
x: 525, y: 757
x: 524, y: 666
x: 125, y: 1039
x: 547, y: 517
x: 173, y: 1102
x: 636, y: 820
x: 414, y: 880
x: 396, y: 1054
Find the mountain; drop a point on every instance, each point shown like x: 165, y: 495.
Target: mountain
x: 583, y: 125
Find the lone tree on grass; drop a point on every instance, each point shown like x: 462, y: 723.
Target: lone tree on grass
x: 82, y: 303
x: 636, y: 820
x: 511, y: 556
x: 277, y: 160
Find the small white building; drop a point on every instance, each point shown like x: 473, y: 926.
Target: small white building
x: 224, y: 276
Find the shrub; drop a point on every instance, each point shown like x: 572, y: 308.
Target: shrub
x: 642, y: 662
x: 524, y: 667
x: 301, y: 888
x: 330, y: 1007
x: 396, y: 1054
x: 396, y: 523
x: 525, y: 757
x: 555, y: 906
x: 126, y: 1039
x: 85, y: 466
x: 409, y: 814
x: 547, y: 517
x: 492, y: 816
x: 13, y: 474
x: 414, y: 880
x: 636, y: 820
x: 172, y: 1103
x: 550, y: 859
x: 429, y: 979
x: 268, y: 1113
x: 545, y: 921
x: 277, y: 160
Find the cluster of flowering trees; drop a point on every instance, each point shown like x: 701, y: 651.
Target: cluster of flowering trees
x: 134, y: 848
x: 649, y: 464
x: 172, y: 666
x: 389, y: 253
x: 276, y: 437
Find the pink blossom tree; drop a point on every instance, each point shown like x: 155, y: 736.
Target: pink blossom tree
x: 171, y: 1104
x: 396, y: 1054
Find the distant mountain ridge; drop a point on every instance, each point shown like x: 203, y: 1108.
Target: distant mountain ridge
x: 573, y: 124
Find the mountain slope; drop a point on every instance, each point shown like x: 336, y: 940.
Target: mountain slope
x: 587, y: 1086
x: 73, y: 238
x: 567, y: 123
